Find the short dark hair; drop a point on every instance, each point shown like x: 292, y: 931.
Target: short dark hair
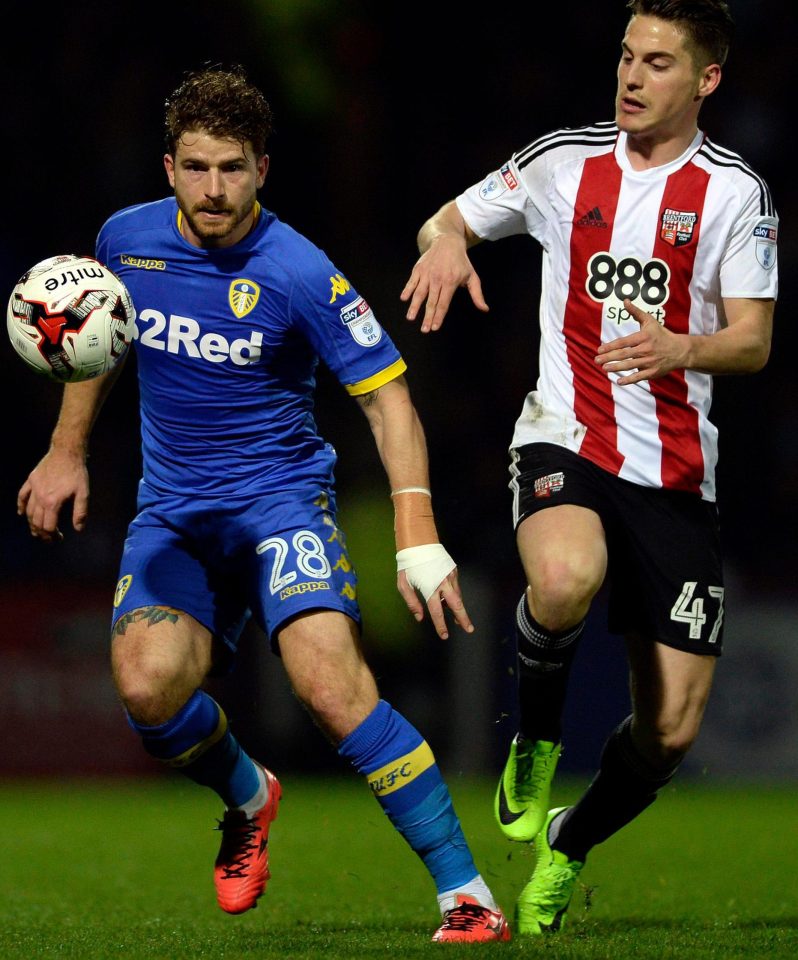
x: 221, y: 101
x: 707, y: 24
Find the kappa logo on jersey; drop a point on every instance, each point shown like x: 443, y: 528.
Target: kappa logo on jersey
x: 493, y: 187
x: 677, y: 226
x: 142, y: 263
x: 766, y: 235
x: 184, y: 335
x: 361, y: 322
x: 593, y: 218
x: 546, y: 486
x: 242, y: 296
x: 338, y: 287
x: 122, y: 588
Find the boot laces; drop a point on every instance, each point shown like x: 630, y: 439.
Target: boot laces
x: 465, y: 917
x: 531, y: 773
x: 238, y: 842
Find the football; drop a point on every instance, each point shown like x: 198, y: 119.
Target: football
x: 70, y: 318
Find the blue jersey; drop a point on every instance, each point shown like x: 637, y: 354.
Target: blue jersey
x: 227, y: 344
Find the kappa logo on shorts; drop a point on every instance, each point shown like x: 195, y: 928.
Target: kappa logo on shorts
x: 308, y: 587
x: 122, y: 588
x: 546, y: 486
x: 242, y: 296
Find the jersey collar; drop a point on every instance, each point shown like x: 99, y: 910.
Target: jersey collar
x: 654, y: 173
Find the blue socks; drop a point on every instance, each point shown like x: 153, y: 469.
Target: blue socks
x: 197, y: 741
x: 402, y: 773
x: 397, y: 761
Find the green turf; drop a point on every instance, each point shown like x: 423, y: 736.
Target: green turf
x: 113, y: 870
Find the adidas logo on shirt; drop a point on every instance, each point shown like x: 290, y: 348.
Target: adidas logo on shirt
x: 593, y: 218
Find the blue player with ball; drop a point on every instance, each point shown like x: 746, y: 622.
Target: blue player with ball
x: 236, y: 508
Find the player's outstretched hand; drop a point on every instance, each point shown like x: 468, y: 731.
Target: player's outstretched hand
x: 650, y: 353
x: 438, y: 272
x: 430, y: 570
x: 57, y: 478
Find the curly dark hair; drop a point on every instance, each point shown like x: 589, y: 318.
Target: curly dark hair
x: 222, y: 102
x: 708, y: 24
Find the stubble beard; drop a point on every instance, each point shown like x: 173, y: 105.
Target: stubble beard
x: 213, y: 234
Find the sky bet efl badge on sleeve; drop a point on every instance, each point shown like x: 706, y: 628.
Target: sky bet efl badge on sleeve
x: 361, y: 322
x: 766, y: 234
x: 497, y: 183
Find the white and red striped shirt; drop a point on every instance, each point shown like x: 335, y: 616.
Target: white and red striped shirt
x: 676, y: 239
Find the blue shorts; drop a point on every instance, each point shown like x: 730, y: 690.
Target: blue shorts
x: 221, y: 562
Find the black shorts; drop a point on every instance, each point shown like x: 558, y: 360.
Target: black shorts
x: 663, y: 546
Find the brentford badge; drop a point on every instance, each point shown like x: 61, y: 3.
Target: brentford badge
x: 677, y: 226
x: 546, y: 486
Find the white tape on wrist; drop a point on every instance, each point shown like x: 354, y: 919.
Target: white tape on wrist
x: 426, y: 566
x: 395, y: 493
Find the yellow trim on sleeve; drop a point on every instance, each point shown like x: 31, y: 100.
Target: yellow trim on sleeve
x: 395, y: 370
x: 397, y: 774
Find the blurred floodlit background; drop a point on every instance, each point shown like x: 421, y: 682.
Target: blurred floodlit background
x: 383, y: 112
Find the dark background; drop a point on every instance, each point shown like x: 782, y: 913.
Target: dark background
x: 382, y: 113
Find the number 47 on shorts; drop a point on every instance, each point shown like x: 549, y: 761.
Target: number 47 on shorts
x: 690, y: 609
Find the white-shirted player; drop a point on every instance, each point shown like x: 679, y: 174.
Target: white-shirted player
x: 659, y: 271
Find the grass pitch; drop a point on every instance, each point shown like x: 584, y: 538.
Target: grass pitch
x: 123, y: 870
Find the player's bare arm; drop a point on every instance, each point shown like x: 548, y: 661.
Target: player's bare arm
x: 402, y: 447
x: 442, y: 267
x: 741, y: 346
x: 61, y: 475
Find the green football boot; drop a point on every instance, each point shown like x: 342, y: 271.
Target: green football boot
x: 522, y: 797
x: 543, y: 901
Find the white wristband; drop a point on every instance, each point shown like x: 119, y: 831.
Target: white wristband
x: 395, y: 493
x: 426, y: 566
